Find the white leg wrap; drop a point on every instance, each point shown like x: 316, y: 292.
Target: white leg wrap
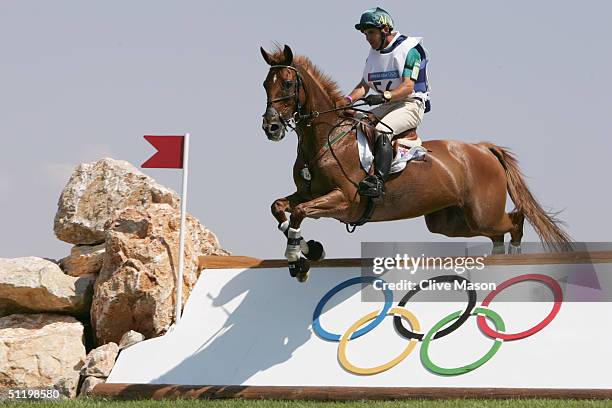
x: 292, y: 253
x: 294, y: 233
x: 283, y: 226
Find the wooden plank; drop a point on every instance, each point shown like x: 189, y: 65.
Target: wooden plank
x: 235, y: 262
x: 170, y: 392
x: 583, y: 257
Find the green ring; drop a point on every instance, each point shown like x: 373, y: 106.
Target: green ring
x: 499, y: 325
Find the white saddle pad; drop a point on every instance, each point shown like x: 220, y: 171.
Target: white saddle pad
x: 403, y: 156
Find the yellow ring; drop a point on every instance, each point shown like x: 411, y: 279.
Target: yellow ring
x: 414, y: 324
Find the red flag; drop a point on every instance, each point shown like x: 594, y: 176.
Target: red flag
x: 169, y: 153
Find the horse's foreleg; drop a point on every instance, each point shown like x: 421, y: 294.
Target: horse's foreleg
x: 331, y: 204
x: 312, y: 249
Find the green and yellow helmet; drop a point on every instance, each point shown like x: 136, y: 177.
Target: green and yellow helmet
x: 374, y: 17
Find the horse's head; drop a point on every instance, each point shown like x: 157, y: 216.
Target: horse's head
x: 284, y: 91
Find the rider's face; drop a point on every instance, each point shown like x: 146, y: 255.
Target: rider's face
x: 373, y: 36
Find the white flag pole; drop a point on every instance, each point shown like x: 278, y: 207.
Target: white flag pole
x: 179, y: 283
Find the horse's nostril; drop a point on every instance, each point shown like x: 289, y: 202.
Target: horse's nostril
x: 274, y: 127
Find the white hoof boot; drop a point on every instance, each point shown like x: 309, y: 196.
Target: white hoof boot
x: 293, y: 250
x: 283, y: 226
x: 304, y: 247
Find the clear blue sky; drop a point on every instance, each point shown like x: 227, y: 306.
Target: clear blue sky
x: 85, y: 80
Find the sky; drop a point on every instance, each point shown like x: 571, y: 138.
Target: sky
x: 86, y: 80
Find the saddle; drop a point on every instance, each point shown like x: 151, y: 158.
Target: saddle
x: 407, y: 139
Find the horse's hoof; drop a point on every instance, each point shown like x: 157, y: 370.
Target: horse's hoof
x: 512, y: 249
x: 299, y: 268
x: 315, y: 251
x: 302, y: 277
x: 293, y: 268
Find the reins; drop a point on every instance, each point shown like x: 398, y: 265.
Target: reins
x: 298, y: 116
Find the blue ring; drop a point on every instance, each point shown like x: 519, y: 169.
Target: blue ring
x: 324, y: 334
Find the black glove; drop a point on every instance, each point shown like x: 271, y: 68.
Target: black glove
x: 374, y: 99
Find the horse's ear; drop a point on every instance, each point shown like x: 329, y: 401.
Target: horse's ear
x: 288, y: 55
x: 266, y: 56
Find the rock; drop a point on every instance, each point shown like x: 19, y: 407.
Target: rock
x: 89, y: 384
x: 83, y: 260
x: 100, y: 361
x: 135, y: 289
x: 33, y: 284
x: 95, y: 191
x: 41, y: 351
x: 129, y: 339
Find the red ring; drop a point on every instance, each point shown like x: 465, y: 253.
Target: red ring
x: 547, y: 280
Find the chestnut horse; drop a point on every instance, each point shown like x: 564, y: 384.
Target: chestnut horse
x: 460, y: 188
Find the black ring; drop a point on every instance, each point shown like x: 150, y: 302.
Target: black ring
x: 397, y: 320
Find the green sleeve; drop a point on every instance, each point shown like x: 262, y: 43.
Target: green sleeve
x: 413, y: 60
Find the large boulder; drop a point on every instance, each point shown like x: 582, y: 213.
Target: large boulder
x: 135, y: 289
x: 33, y: 284
x: 96, y: 190
x: 41, y: 351
x: 83, y: 260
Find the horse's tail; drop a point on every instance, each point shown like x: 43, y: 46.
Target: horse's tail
x: 545, y: 223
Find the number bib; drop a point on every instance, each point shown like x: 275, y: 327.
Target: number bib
x: 383, y: 69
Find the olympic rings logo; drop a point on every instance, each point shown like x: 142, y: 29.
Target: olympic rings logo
x: 438, y: 330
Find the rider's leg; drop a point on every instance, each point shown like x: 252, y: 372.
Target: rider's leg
x: 403, y: 116
x: 374, y: 185
x: 399, y: 116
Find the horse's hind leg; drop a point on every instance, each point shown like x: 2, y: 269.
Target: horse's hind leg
x: 499, y: 246
x: 485, y: 203
x: 517, y: 220
x: 516, y: 234
x: 495, y: 224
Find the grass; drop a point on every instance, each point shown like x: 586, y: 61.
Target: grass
x: 101, y: 403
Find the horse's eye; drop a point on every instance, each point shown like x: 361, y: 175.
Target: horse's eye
x: 287, y: 85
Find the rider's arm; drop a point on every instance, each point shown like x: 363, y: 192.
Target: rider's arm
x: 409, y: 76
x: 360, y: 90
x: 403, y: 90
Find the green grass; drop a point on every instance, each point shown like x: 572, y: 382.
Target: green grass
x: 101, y: 403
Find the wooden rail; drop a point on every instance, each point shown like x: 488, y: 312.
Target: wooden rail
x: 162, y: 391
x: 235, y: 262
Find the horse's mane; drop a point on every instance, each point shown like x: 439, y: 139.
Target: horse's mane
x: 301, y: 61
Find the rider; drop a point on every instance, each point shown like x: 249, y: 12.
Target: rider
x: 396, y: 70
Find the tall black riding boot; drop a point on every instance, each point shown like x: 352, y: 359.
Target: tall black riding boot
x: 374, y: 186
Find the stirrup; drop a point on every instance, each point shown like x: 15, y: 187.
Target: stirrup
x: 371, y: 186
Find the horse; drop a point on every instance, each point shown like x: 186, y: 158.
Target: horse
x: 460, y: 188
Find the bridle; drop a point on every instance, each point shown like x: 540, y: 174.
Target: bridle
x: 297, y: 115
